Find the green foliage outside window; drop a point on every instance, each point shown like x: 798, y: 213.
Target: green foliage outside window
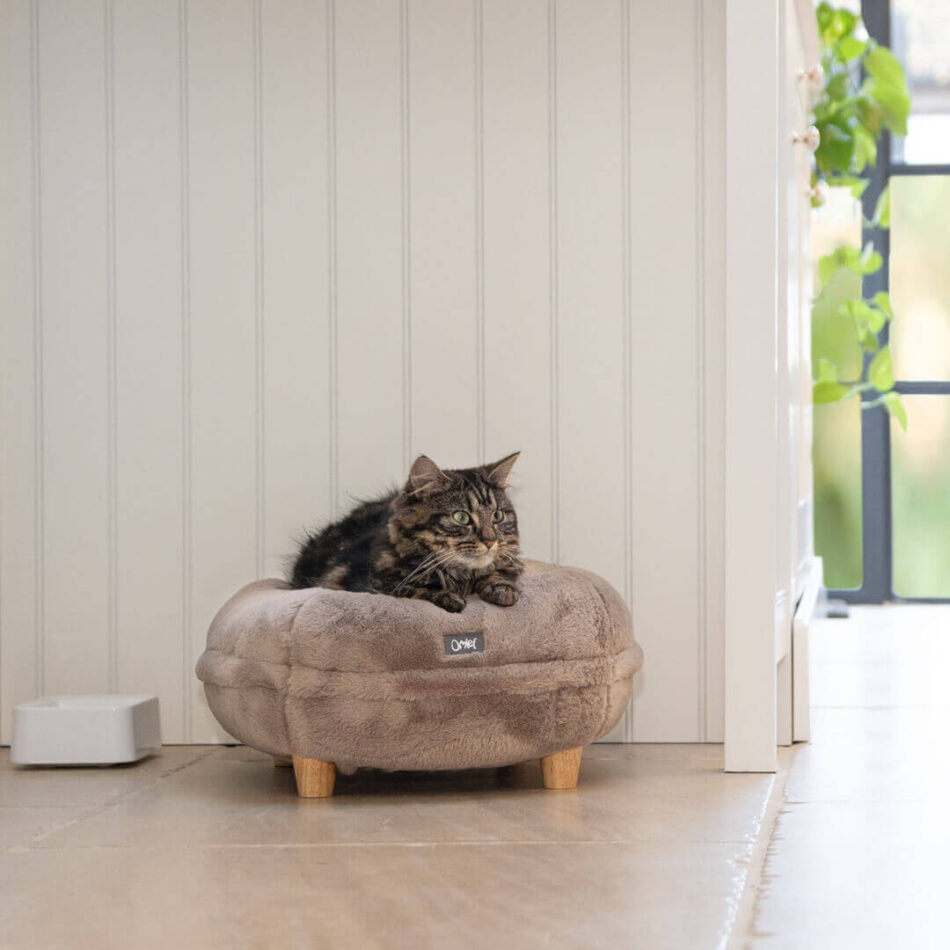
x: 865, y: 94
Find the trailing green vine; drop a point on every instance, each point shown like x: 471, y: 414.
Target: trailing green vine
x: 864, y: 94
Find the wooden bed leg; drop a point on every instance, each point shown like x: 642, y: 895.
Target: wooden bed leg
x: 560, y: 769
x: 315, y: 778
x: 282, y: 763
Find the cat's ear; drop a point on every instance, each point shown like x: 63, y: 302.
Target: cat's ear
x: 498, y: 472
x: 425, y: 475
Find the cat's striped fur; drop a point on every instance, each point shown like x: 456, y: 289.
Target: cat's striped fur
x: 443, y: 536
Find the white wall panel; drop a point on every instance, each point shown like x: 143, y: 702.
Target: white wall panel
x: 147, y: 230
x: 590, y: 510
x: 589, y: 302
x: 78, y: 411
x: 369, y: 315
x: 262, y: 252
x: 667, y: 371
x: 224, y: 538
x: 711, y: 101
x: 518, y: 274
x: 21, y: 429
x: 445, y: 229
x: 295, y: 288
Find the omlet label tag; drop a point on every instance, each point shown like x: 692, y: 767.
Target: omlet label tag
x: 458, y: 643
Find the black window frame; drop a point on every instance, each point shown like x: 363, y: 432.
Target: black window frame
x: 877, y: 584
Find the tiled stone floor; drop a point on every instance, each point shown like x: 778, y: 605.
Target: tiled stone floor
x: 858, y: 855
x: 209, y: 847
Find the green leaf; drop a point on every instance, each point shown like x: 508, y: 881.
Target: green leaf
x: 838, y: 86
x: 882, y: 210
x: 848, y: 257
x: 875, y: 321
x: 857, y: 185
x: 832, y: 336
x: 882, y: 64
x: 870, y: 260
x: 836, y: 149
x: 880, y: 373
x: 825, y: 391
x: 850, y: 48
x: 833, y: 24
x: 895, y: 406
x: 856, y: 309
x: 823, y: 14
x: 866, y: 261
x: 865, y: 317
x: 868, y: 340
x: 851, y: 118
x: 882, y: 300
x: 870, y: 114
x: 829, y: 263
x: 865, y: 148
x: 888, y: 87
x: 895, y: 103
x: 827, y: 371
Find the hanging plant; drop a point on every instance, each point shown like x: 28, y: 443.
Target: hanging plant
x: 864, y: 95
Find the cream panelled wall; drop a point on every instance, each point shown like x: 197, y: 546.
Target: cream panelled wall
x: 262, y: 252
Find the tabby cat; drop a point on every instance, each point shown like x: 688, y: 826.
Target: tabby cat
x: 445, y: 535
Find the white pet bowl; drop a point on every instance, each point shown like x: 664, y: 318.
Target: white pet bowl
x: 85, y: 730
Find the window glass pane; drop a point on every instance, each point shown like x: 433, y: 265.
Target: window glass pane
x: 837, y: 458
x: 920, y: 276
x: 835, y: 223
x: 920, y: 38
x: 920, y: 480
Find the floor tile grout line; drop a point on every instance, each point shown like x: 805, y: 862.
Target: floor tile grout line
x: 94, y: 809
x: 737, y: 931
x: 20, y: 846
x: 852, y: 801
x: 880, y: 708
x: 361, y: 845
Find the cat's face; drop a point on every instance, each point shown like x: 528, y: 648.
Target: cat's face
x: 463, y: 517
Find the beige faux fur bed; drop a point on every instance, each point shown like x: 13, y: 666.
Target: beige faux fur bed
x: 369, y: 680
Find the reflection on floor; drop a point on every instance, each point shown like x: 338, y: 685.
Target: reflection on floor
x: 858, y: 854
x: 209, y: 847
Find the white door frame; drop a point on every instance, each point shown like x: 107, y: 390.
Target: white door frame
x: 752, y: 316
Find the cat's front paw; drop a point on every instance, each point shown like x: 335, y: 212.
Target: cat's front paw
x: 450, y: 601
x: 504, y: 595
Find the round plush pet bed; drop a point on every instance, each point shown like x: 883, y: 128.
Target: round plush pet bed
x: 335, y: 679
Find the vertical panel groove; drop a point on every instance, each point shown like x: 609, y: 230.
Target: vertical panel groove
x: 333, y: 355
x: 39, y: 433
x: 406, y: 234
x: 553, y: 271
x: 112, y: 382
x: 627, y: 333
x: 186, y: 532
x: 479, y: 228
x: 260, y: 501
x: 699, y: 280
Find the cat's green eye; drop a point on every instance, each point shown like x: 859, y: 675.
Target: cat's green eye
x: 462, y: 517
x: 498, y: 516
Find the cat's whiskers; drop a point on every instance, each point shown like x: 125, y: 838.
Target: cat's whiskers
x: 510, y: 558
x: 426, y: 562
x: 427, y: 566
